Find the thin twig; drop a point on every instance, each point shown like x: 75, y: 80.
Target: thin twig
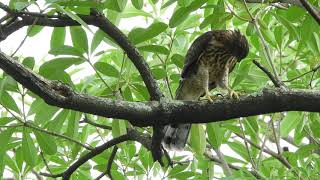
x: 236, y: 15
x: 314, y: 13
x: 110, y: 161
x: 83, y: 159
x: 28, y: 125
x: 224, y: 163
x: 268, y: 73
x: 276, y: 138
x: 315, y: 69
x: 25, y: 37
x: 45, y: 163
x: 87, y: 120
x: 11, y: 126
x: 57, y: 135
x: 273, y: 154
x: 260, y: 153
x: 263, y: 41
x: 254, y: 166
x: 98, y: 74
x: 217, y: 160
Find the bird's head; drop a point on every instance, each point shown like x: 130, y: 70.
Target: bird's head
x: 236, y: 44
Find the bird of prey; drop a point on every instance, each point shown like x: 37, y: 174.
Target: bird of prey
x: 209, y: 60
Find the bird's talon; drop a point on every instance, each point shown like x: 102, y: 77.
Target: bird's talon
x: 209, y: 98
x: 233, y: 95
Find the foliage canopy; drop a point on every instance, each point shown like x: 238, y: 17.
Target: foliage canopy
x: 36, y: 137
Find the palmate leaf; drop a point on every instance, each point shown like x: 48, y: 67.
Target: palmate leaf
x: 159, y: 29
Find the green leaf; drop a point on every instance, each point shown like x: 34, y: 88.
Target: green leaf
x: 198, y: 139
x: 158, y: 73
x: 293, y: 30
x: 107, y: 69
x: 5, y: 137
x: 177, y: 169
x: 34, y: 30
x: 28, y: 62
x: 290, y: 122
x: 73, y: 124
x: 306, y: 150
x: 117, y: 5
x: 57, y: 123
x: 155, y: 49
x: 6, y: 120
x: 179, y: 16
x: 279, y: 36
x: 139, y: 35
x: 97, y: 38
x: 137, y: 3
x: 57, y: 37
x: 28, y: 149
x: 46, y: 142
x: 215, y: 135
x: 168, y: 3
x: 66, y: 50
x: 118, y: 127
x: 250, y: 29
x: 7, y: 101
x: 178, y: 60
x: 59, y: 64
x: 79, y: 38
x: 240, y: 149
x: 71, y: 15
x: 214, y: 19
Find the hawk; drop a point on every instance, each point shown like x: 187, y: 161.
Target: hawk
x: 209, y: 60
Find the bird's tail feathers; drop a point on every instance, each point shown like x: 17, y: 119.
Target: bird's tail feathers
x: 176, y: 135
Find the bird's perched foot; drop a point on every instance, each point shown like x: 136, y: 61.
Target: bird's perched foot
x: 232, y: 94
x: 208, y: 97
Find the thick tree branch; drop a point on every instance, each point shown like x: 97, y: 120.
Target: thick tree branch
x: 97, y: 20
x: 162, y: 112
x: 105, y: 25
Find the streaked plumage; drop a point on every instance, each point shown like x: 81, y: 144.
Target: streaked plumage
x: 209, y: 60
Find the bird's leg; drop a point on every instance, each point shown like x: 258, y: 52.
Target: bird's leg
x: 224, y: 84
x: 206, y: 86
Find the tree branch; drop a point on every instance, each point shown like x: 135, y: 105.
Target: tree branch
x: 162, y: 112
x: 312, y: 10
x: 309, y: 7
x: 217, y: 160
x: 133, y: 135
x: 96, y: 151
x: 269, y: 74
x: 97, y: 20
x: 109, y: 165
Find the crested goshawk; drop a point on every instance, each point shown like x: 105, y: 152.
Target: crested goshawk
x: 209, y: 60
